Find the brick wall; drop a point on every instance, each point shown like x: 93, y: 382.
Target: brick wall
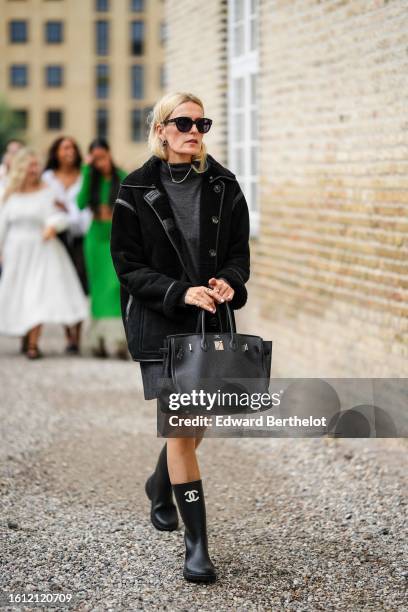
x: 330, y: 267
x: 329, y: 274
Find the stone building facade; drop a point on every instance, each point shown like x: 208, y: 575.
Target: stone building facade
x: 85, y: 68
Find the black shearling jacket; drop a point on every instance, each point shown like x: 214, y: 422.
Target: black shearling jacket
x: 147, y: 253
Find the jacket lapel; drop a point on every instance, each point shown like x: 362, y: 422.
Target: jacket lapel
x: 159, y: 203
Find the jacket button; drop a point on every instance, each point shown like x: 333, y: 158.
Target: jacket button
x: 214, y: 219
x: 212, y: 252
x: 217, y: 187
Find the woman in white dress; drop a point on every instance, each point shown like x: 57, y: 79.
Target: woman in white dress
x: 39, y: 283
x: 63, y: 172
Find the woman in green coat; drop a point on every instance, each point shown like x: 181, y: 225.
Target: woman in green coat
x: 100, y: 185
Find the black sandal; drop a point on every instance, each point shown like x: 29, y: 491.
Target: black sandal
x: 72, y: 349
x: 100, y: 350
x: 33, y: 352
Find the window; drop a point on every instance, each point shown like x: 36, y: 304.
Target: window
x: 21, y: 116
x: 136, y: 82
x: 102, y: 81
x: 101, y: 5
x: 139, y: 123
x: 54, y: 32
x: 102, y: 123
x: 102, y: 37
x: 136, y: 37
x: 136, y: 125
x: 136, y: 6
x: 162, y: 76
x: 242, y: 100
x: 54, y: 120
x: 18, y: 31
x: 162, y: 32
x: 54, y: 76
x: 18, y: 75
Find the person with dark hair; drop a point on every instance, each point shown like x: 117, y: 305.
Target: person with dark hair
x: 63, y: 173
x: 100, y: 185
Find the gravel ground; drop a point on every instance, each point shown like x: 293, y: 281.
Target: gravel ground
x: 293, y: 524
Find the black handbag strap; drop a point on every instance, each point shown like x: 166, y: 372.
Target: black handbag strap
x: 201, y: 318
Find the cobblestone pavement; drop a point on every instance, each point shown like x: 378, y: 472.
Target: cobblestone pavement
x: 293, y: 524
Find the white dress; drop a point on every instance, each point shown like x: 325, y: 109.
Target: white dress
x: 38, y: 283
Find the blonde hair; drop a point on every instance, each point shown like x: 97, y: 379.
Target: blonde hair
x: 161, y: 111
x: 18, y: 171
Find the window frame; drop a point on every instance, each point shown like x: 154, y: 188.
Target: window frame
x: 102, y: 9
x: 104, y: 134
x: 136, y: 10
x: 101, y: 94
x: 244, y: 66
x: 142, y: 40
x: 46, y: 31
x: 48, y: 83
x: 22, y: 112
x: 60, y: 125
x: 133, y: 82
x: 11, y: 38
x: 12, y: 82
x: 143, y: 126
x: 102, y: 43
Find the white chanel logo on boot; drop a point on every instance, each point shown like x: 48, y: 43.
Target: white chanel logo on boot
x: 192, y: 495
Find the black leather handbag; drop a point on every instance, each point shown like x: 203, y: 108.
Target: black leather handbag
x: 228, y: 363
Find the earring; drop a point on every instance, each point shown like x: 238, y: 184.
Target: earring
x: 164, y: 142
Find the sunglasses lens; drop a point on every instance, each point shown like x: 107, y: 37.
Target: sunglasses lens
x: 184, y: 124
x: 203, y: 125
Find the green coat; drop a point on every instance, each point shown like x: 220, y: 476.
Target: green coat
x: 103, y: 282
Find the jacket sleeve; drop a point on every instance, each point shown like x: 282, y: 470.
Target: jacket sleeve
x: 83, y: 195
x: 181, y: 301
x: 236, y: 267
x: 156, y: 290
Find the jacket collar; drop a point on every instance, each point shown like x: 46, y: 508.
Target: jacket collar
x: 148, y: 175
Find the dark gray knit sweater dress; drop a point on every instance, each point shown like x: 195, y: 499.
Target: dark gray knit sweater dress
x: 184, y: 199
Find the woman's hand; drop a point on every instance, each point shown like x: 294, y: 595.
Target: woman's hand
x: 204, y: 297
x: 49, y: 232
x: 224, y: 289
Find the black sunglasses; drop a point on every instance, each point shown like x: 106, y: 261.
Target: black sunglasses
x: 184, y: 124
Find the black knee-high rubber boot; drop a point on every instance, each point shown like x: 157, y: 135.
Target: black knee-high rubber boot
x: 190, y: 500
x: 158, y: 489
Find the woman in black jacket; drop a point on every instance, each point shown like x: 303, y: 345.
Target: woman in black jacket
x: 179, y: 244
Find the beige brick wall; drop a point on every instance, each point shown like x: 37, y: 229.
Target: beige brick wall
x: 196, y: 61
x: 330, y: 266
x: 329, y: 274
